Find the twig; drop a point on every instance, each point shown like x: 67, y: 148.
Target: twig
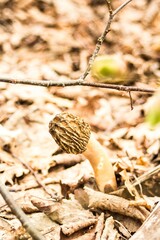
x: 49, y: 83
x: 120, y: 7
x: 80, y: 82
x: 150, y: 228
x: 103, y: 201
x: 131, y: 100
x: 147, y: 175
x: 40, y: 183
x: 139, y: 180
x: 30, y: 228
x: 101, y: 39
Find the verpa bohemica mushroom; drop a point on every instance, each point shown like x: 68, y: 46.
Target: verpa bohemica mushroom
x: 73, y: 135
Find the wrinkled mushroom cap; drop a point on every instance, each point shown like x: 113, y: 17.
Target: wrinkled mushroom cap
x: 70, y: 132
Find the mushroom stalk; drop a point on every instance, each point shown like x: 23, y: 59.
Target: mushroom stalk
x: 74, y: 135
x: 102, y: 167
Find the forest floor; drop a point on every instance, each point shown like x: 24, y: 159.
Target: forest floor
x: 53, y: 40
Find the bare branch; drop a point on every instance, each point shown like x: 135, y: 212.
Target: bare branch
x: 121, y: 7
x: 139, y: 180
x: 109, y: 7
x: 102, y: 37
x: 99, y: 44
x: 151, y: 227
x: 40, y: 183
x: 91, y: 60
x: 49, y: 83
x: 26, y: 222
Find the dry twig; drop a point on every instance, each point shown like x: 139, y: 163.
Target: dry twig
x: 49, y: 83
x: 99, y: 200
x: 19, y: 213
x: 80, y: 82
x: 131, y: 100
x: 40, y: 183
x: 101, y: 39
x: 139, y: 180
x: 150, y: 228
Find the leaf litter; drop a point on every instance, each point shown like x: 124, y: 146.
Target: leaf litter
x: 53, y: 40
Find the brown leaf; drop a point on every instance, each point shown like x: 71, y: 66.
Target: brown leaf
x: 12, y: 172
x: 74, y: 226
x: 69, y: 213
x: 99, y: 226
x: 109, y: 231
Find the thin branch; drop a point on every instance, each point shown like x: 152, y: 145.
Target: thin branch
x: 131, y: 100
x: 149, y: 174
x: 121, y: 7
x: 91, y: 60
x: 99, y: 44
x: 109, y: 7
x: 102, y: 201
x: 151, y: 227
x: 146, y: 176
x: 49, y: 83
x: 40, y: 183
x: 102, y: 37
x: 26, y: 222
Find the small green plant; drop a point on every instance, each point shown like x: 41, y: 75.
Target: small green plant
x: 153, y: 112
x: 110, y: 69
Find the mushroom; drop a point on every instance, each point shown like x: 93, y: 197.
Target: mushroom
x: 74, y: 135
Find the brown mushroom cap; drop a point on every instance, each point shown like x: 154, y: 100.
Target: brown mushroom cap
x: 70, y: 132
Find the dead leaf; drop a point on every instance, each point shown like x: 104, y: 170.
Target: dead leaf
x: 12, y: 172
x: 71, y: 221
x: 109, y: 231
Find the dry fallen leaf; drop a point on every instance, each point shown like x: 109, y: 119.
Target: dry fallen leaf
x: 71, y: 221
x: 54, y: 40
x: 12, y: 172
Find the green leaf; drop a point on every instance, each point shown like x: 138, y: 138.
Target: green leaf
x: 153, y: 116
x: 109, y: 69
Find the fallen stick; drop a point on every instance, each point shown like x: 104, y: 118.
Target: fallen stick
x: 26, y: 222
x: 102, y: 201
x: 150, y: 228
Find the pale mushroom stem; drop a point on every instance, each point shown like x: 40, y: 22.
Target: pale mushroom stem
x: 74, y: 135
x: 103, y: 169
